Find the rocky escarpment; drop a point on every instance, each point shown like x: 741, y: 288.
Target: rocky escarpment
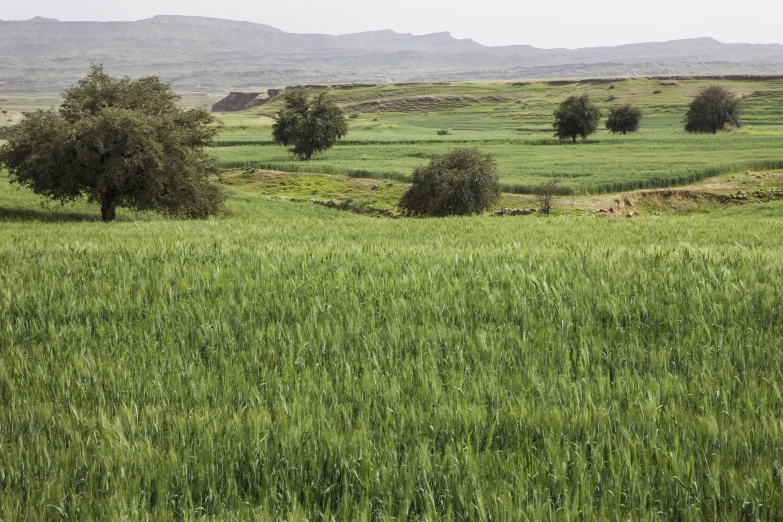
x: 42, y: 55
x: 239, y: 101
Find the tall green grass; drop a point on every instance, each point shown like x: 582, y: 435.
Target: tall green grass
x: 296, y: 363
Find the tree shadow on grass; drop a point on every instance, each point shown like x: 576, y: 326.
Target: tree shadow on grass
x: 22, y: 215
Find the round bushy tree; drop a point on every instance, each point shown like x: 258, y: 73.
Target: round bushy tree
x: 119, y: 143
x: 712, y: 110
x: 309, y: 125
x: 576, y: 116
x: 461, y: 182
x: 624, y: 119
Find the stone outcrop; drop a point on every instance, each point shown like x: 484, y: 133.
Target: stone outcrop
x: 239, y: 101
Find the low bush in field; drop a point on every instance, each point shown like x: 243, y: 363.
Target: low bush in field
x: 461, y: 182
x: 624, y: 119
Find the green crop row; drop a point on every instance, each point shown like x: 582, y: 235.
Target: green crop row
x: 596, y: 167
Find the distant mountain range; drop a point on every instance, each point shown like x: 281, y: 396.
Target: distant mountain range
x: 213, y: 55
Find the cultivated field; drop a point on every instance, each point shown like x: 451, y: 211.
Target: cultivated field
x: 396, y: 129
x: 294, y: 362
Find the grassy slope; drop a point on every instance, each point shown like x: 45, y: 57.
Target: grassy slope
x: 380, y: 197
x: 294, y: 362
x: 396, y: 130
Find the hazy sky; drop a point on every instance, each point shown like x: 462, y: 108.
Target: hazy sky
x: 542, y: 23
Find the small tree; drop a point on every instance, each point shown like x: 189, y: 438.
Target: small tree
x: 462, y: 182
x: 712, y: 110
x: 625, y: 119
x: 309, y: 125
x: 546, y: 193
x: 576, y: 116
x: 119, y: 143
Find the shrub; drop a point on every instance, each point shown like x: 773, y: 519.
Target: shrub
x: 545, y: 193
x: 358, y: 206
x: 11, y: 131
x: 712, y: 110
x: 462, y: 182
x: 657, y: 91
x: 443, y: 132
x: 625, y: 119
x: 354, y: 116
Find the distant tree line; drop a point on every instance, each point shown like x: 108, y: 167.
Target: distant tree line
x: 713, y: 109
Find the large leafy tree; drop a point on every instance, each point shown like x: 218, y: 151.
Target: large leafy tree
x: 576, y: 116
x: 712, y: 110
x: 461, y: 182
x: 120, y: 143
x: 308, y: 124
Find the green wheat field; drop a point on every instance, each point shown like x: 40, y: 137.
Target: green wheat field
x: 394, y: 129
x: 291, y: 362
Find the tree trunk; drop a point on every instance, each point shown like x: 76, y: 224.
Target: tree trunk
x: 108, y: 209
x: 574, y: 138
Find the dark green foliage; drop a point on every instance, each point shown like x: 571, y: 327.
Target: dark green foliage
x: 443, y: 132
x: 712, y: 110
x: 121, y: 143
x: 576, y: 116
x: 624, y: 119
x: 462, y: 182
x: 308, y: 125
x: 12, y: 131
